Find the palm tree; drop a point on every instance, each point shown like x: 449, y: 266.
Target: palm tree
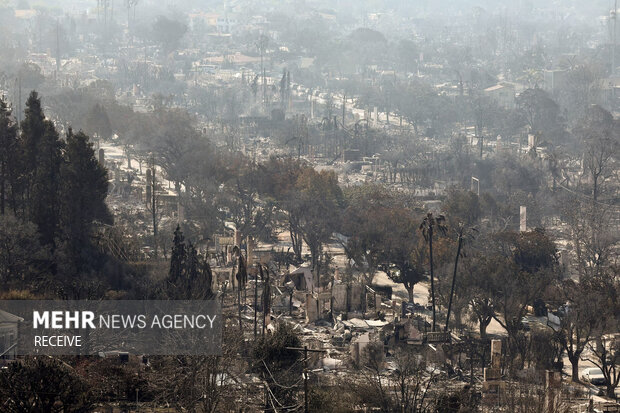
x: 130, y: 4
x: 428, y: 226
x: 242, y: 278
x: 266, y: 297
x: 461, y: 233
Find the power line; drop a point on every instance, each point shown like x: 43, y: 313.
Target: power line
x: 276, y: 383
x: 589, y: 198
x: 305, y: 373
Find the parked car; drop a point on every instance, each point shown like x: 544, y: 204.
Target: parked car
x: 593, y: 375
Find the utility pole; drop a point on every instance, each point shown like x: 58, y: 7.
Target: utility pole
x: 614, y: 15
x: 264, y: 82
x: 19, y: 99
x: 154, y: 203
x: 256, y: 304
x: 105, y: 15
x: 262, y: 70
x: 262, y: 45
x: 306, y: 350
x: 456, y: 261
x: 145, y: 71
x: 306, y: 379
x: 266, y: 296
x: 239, y: 258
x: 57, y: 49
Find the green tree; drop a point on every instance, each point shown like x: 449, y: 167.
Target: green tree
x: 45, y: 200
x: 462, y: 206
x: 578, y: 322
x: 404, y: 252
x: 278, y: 363
x: 42, y: 385
x: 320, y: 200
x: 476, y: 286
x: 408, y: 54
x: 189, y: 276
x: 382, y: 234
x: 32, y: 130
x: 30, y: 75
x: 177, y: 257
x: 280, y: 183
x: 363, y: 224
x: 83, y: 193
x: 252, y: 216
x: 98, y: 122
x: 22, y: 259
x: 601, y: 136
x: 521, y: 267
x: 168, y: 32
x: 9, y: 154
x: 542, y: 114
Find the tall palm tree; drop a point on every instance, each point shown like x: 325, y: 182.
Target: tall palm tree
x: 429, y: 225
x: 130, y: 4
x: 242, y: 278
x: 266, y: 297
x: 462, y: 233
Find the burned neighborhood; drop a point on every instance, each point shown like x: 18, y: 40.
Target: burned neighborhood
x: 309, y: 206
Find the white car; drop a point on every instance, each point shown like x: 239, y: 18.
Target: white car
x: 593, y: 375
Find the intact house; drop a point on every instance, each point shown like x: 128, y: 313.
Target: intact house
x: 9, y: 325
x: 503, y: 94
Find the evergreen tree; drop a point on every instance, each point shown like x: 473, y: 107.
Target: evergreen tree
x: 98, y: 122
x: 192, y: 268
x: 42, y: 384
x: 207, y: 278
x: 242, y: 273
x: 9, y: 151
x: 32, y: 130
x: 83, y: 192
x: 45, y: 185
x: 198, y: 276
x: 190, y: 276
x: 22, y: 259
x: 177, y: 259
